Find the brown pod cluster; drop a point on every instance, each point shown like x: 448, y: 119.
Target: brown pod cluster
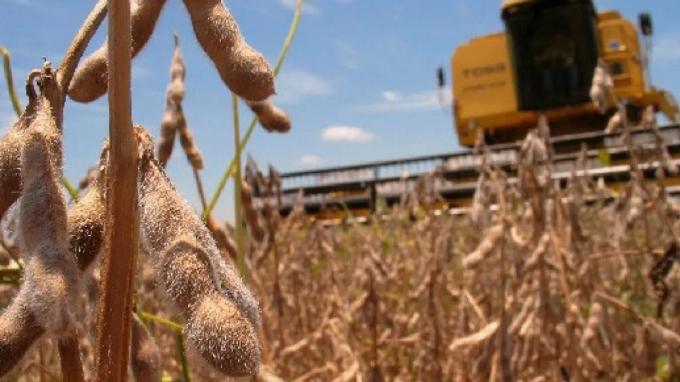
x: 90, y: 80
x: 174, y: 120
x: 222, y: 315
x: 270, y: 117
x: 243, y: 69
x: 145, y: 356
x: 250, y: 212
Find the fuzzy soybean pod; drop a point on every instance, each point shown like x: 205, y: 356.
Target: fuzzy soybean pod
x: 222, y: 315
x: 86, y: 218
x: 188, y: 142
x: 51, y: 273
x: 10, y: 171
x: 90, y: 80
x: 243, y: 69
x: 270, y: 117
x: 174, y: 96
x: 10, y: 153
x: 49, y: 289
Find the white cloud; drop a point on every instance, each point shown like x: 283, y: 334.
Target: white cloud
x: 392, y: 101
x: 310, y: 160
x: 295, y: 85
x: 348, y: 56
x: 307, y: 8
x: 344, y: 133
x: 667, y: 48
x: 391, y: 96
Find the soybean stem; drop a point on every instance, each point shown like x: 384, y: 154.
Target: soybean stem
x: 253, y: 122
x: 199, y: 186
x: 79, y: 43
x: 238, y: 210
x: 182, y: 357
x: 69, y: 354
x: 114, y: 310
x: 161, y: 320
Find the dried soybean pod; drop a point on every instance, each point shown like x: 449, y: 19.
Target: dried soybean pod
x: 270, y: 117
x: 186, y: 138
x: 51, y: 274
x: 485, y: 247
x: 251, y: 213
x: 222, y: 314
x: 215, y: 328
x: 86, y: 218
x: 50, y: 277
x: 242, y: 68
x: 10, y: 171
x: 145, y: 356
x: 19, y: 329
x: 90, y: 80
x: 174, y: 96
x: 10, y: 152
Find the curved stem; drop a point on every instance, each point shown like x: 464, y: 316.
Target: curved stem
x: 79, y: 43
x: 7, y: 64
x: 253, y: 122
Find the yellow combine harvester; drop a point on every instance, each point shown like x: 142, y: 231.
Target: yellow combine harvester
x: 543, y: 64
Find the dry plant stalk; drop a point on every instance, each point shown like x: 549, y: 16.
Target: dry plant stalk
x: 117, y: 268
x: 241, y: 67
x: 222, y: 315
x: 91, y: 79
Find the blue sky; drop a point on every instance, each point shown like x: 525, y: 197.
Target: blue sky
x: 359, y: 82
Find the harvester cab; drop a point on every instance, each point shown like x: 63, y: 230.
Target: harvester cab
x: 543, y: 64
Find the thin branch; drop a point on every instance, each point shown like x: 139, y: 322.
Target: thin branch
x: 199, y: 187
x: 7, y: 64
x: 238, y: 207
x: 79, y: 43
x: 161, y: 320
x: 73, y: 193
x: 118, y: 264
x: 253, y: 122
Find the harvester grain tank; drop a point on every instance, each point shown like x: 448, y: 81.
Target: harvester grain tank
x: 543, y: 64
